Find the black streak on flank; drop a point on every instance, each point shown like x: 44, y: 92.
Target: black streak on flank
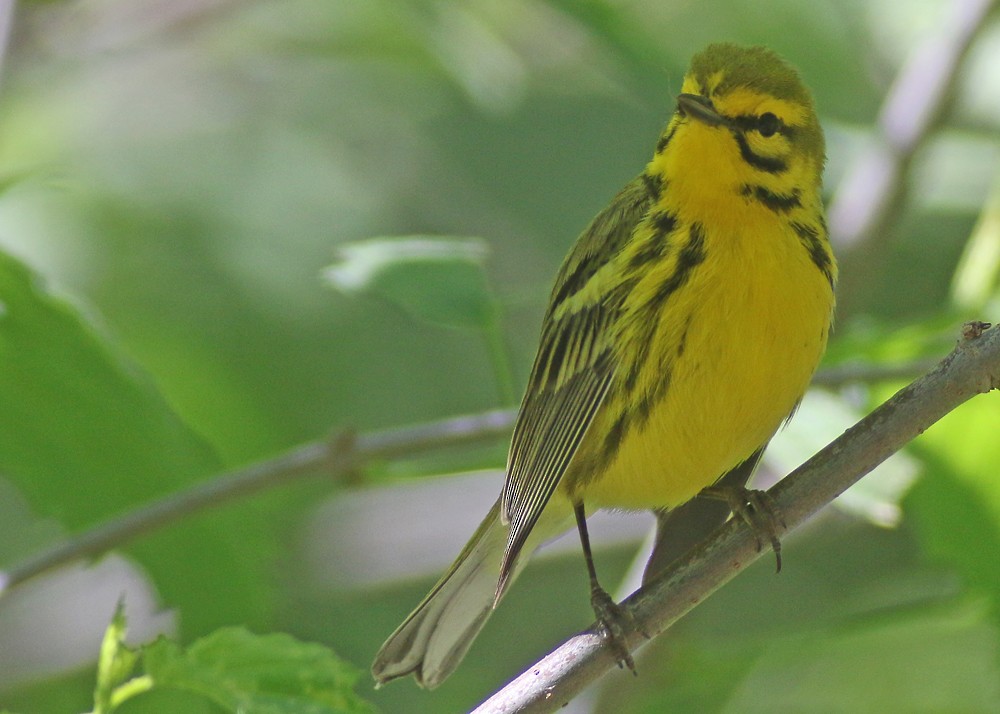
x: 614, y: 439
x: 817, y: 252
x: 764, y: 163
x: 690, y: 256
x: 654, y: 185
x: 646, y: 404
x: 775, y: 201
x: 632, y: 378
x: 655, y: 246
x: 647, y: 326
x: 682, y: 340
x: 664, y: 222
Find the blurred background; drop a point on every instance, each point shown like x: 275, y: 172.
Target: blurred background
x: 176, y: 177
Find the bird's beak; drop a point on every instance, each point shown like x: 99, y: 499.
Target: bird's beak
x: 699, y: 107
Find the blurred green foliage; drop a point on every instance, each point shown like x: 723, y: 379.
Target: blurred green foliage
x: 175, y: 178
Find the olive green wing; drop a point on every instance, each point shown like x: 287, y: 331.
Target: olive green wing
x: 573, y: 369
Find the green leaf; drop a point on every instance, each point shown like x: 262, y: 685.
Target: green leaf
x: 115, y: 663
x: 76, y: 416
x: 956, y: 506
x: 919, y: 661
x: 85, y: 434
x: 257, y: 674
x: 440, y: 280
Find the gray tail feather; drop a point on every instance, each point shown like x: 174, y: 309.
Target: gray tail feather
x: 432, y: 641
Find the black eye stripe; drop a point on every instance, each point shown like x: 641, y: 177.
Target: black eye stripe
x: 750, y: 122
x: 763, y: 163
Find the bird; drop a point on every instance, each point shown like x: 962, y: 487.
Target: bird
x: 682, y: 330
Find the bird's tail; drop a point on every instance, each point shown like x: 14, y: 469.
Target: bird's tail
x: 432, y: 641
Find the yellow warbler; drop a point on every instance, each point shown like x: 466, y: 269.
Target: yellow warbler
x: 683, y: 328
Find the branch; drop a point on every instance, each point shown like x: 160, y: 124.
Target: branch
x: 336, y: 458
x: 866, y: 373
x: 972, y: 368
x: 7, y: 8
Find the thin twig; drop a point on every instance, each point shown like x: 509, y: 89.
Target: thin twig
x: 972, y: 368
x: 321, y: 457
x: 865, y: 373
x: 873, y: 187
x: 335, y: 458
x: 6, y: 26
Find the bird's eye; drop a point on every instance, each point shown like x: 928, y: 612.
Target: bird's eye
x: 768, y: 124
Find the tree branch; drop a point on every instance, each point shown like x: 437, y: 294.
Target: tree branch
x: 972, y: 368
x: 336, y: 458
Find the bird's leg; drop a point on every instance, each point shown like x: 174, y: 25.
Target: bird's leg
x: 755, y: 508
x: 613, y: 617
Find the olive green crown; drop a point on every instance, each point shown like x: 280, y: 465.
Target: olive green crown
x: 762, y: 70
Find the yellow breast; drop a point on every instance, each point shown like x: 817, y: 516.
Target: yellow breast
x: 707, y: 374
